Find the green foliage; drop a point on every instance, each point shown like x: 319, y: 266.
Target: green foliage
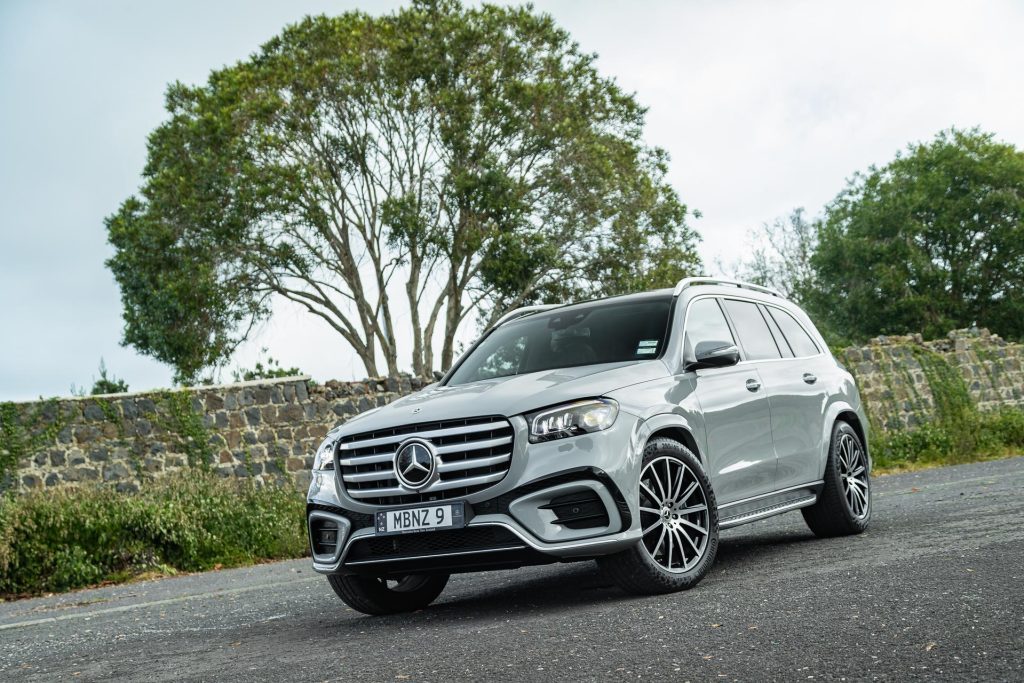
x: 271, y: 370
x: 60, y: 540
x: 981, y: 436
x: 25, y: 431
x: 186, y: 425
x: 357, y: 158
x: 957, y: 433
x: 108, y: 384
x: 931, y: 242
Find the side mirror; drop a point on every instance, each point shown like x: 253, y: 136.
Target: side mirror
x: 714, y: 354
x: 437, y: 375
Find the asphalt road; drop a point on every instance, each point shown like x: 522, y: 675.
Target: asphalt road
x: 935, y: 589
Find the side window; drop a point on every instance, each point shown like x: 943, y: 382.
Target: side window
x: 705, y: 322
x: 797, y: 337
x: 780, y: 339
x: 752, y: 329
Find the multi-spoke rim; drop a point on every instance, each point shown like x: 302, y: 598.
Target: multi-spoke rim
x: 853, y: 471
x: 673, y: 514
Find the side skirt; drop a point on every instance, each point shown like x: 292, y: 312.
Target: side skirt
x: 768, y: 505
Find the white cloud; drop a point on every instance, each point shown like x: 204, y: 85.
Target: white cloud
x: 763, y: 107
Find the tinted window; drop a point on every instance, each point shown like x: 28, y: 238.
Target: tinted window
x: 780, y: 340
x: 602, y: 332
x: 705, y: 322
x: 801, y: 342
x: 752, y: 329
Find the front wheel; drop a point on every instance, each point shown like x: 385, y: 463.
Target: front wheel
x: 373, y: 595
x: 679, y: 524
x: 844, y: 505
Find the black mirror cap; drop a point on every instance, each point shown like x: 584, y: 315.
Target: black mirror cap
x: 714, y: 354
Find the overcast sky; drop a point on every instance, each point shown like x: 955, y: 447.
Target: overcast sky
x: 763, y: 107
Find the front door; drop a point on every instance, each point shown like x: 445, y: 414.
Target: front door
x: 734, y: 404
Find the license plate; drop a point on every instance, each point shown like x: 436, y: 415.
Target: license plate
x: 426, y: 518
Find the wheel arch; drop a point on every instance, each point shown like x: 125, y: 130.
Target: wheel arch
x: 676, y: 427
x: 842, y: 412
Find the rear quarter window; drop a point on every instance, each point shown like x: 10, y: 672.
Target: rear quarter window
x: 795, y: 334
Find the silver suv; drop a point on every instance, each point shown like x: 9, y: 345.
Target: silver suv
x: 629, y: 430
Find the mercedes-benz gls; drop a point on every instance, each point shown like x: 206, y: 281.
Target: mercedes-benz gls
x: 629, y: 430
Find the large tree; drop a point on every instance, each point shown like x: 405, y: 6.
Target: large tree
x: 466, y: 159
x: 932, y: 241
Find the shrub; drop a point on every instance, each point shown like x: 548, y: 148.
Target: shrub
x: 972, y: 436
x: 59, y: 540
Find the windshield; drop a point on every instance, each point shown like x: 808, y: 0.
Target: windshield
x: 602, y: 332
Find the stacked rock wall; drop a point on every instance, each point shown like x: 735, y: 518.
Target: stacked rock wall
x: 269, y: 430
x: 265, y: 430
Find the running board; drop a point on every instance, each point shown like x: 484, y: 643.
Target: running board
x: 771, y: 510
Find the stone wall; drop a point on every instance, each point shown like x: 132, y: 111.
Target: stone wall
x: 900, y: 376
x: 269, y: 430
x: 266, y: 430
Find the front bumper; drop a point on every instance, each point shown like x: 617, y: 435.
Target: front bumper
x: 511, y: 523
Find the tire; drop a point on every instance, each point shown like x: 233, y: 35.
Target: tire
x: 372, y: 595
x: 643, y: 569
x: 839, y: 510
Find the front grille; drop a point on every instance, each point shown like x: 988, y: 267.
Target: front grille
x: 473, y: 454
x: 432, y: 543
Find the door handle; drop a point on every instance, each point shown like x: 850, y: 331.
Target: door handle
x: 809, y: 378
x: 753, y: 385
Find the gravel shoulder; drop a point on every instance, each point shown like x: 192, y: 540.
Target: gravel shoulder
x: 934, y: 589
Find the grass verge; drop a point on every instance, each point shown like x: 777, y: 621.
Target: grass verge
x: 52, y: 541
x: 970, y: 436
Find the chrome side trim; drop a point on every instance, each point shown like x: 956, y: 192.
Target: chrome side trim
x: 771, y: 511
x: 427, y: 434
x: 809, y: 485
x: 457, y: 553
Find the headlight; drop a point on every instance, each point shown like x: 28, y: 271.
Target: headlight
x: 324, y: 459
x: 572, y: 419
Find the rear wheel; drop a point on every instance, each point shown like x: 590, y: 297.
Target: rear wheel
x: 373, y: 595
x: 679, y: 523
x: 844, y: 505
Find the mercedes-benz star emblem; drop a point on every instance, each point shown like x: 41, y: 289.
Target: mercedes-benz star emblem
x: 415, y: 464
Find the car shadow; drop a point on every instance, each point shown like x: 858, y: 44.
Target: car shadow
x: 562, y: 586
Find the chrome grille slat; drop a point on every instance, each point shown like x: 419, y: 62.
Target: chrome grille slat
x: 475, y: 445
x: 430, y: 434
x: 473, y: 454
x: 439, y: 486
x: 367, y: 459
x: 472, y: 463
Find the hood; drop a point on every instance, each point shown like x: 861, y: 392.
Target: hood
x: 506, y: 396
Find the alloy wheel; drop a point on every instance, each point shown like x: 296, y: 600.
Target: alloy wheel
x: 853, y: 472
x: 673, y: 514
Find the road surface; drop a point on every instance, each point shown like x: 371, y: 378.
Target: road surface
x: 935, y: 589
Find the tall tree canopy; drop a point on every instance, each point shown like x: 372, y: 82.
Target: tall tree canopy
x: 466, y: 159
x: 930, y: 242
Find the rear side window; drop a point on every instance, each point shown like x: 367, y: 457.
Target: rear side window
x: 798, y: 339
x: 780, y: 340
x: 752, y: 329
x: 705, y: 322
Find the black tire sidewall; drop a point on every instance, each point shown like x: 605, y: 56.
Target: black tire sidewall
x: 832, y: 471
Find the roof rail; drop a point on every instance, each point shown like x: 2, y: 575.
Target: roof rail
x: 525, y: 310
x: 694, y: 281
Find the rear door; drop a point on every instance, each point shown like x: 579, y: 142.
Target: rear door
x: 796, y: 393
x: 735, y: 408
